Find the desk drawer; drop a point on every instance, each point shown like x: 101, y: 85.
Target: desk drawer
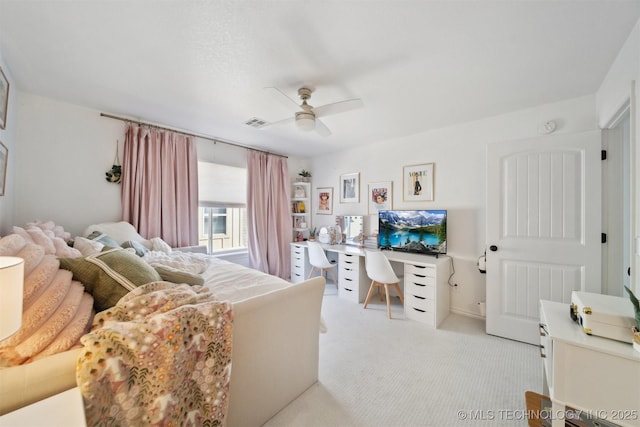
x: 419, y: 289
x: 419, y: 270
x: 348, y: 261
x: 421, y: 303
x: 419, y: 315
x: 297, y: 260
x: 349, y: 290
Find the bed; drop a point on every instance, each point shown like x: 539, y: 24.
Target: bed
x: 276, y: 328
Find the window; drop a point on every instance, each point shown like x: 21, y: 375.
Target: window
x: 222, y: 212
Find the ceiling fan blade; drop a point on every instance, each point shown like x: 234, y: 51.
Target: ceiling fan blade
x: 338, y: 107
x: 321, y: 128
x: 283, y: 99
x: 278, y: 122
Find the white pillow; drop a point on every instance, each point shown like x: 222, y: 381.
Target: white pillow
x: 118, y: 231
x: 157, y: 244
x: 87, y: 247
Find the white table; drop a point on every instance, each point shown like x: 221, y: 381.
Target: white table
x: 65, y: 409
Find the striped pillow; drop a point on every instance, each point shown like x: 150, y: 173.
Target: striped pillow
x: 110, y: 275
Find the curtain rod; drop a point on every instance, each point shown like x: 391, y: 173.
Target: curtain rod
x: 215, y: 140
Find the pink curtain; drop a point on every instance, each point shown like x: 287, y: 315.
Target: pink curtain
x: 268, y: 216
x: 160, y: 185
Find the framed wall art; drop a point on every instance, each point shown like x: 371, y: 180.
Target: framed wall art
x: 4, y: 156
x: 324, y: 200
x: 350, y: 188
x: 4, y: 99
x: 417, y: 182
x: 380, y: 196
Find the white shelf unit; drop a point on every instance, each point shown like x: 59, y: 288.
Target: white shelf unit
x: 300, y: 209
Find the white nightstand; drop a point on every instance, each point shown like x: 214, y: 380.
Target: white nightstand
x: 65, y: 409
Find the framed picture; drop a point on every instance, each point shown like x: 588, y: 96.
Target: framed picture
x: 4, y: 100
x: 324, y: 200
x: 350, y: 188
x: 380, y: 196
x: 417, y: 182
x: 4, y: 155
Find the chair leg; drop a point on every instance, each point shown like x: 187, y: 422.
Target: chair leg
x: 311, y: 272
x: 386, y: 291
x: 333, y: 275
x: 397, y: 286
x: 370, y: 293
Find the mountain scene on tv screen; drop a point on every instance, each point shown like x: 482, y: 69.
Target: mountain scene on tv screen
x: 413, y: 231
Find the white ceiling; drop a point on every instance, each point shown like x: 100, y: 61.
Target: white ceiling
x: 202, y: 66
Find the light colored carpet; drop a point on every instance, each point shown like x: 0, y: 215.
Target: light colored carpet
x: 380, y: 372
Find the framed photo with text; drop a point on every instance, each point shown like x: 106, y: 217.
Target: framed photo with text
x: 417, y: 182
x: 4, y: 99
x: 350, y: 188
x: 324, y: 200
x: 380, y: 196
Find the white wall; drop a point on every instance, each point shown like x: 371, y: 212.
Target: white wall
x: 459, y: 154
x: 622, y: 81
x: 64, y: 151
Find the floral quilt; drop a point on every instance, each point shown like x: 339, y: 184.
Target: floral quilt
x: 160, y: 357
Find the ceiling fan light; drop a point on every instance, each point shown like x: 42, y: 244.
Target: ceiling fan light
x: 305, y: 121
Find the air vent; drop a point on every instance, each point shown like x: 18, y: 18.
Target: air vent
x: 255, y: 122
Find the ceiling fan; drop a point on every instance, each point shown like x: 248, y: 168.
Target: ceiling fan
x: 307, y: 117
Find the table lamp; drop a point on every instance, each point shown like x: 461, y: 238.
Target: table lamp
x: 11, y: 286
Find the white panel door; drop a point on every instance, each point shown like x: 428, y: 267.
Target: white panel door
x: 543, y: 227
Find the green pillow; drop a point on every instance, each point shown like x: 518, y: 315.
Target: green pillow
x: 104, y: 239
x: 110, y: 275
x: 174, y: 275
x: 137, y: 246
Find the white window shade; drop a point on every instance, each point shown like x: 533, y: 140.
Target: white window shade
x: 221, y: 185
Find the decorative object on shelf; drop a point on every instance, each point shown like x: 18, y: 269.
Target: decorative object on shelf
x: 350, y: 188
x: 324, y: 205
x: 4, y: 99
x: 380, y: 196
x: 312, y: 234
x: 417, y: 182
x: 4, y: 156
x: 299, y: 192
x: 305, y: 176
x: 115, y: 173
x: 636, y: 329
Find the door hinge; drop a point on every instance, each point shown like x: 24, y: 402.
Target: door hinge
x: 603, y: 238
x: 603, y: 155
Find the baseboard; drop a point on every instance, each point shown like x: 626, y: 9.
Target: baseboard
x: 467, y: 313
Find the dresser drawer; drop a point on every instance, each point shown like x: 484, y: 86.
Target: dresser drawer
x: 297, y: 260
x: 419, y: 289
x: 419, y: 270
x: 419, y: 315
x: 421, y: 303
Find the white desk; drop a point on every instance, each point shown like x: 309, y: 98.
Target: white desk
x: 424, y: 278
x: 592, y: 374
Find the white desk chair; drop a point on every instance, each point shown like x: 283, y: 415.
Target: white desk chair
x: 381, y: 274
x: 318, y: 260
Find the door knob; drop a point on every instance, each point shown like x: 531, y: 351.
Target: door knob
x: 493, y: 248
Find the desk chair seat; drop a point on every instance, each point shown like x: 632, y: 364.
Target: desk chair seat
x: 318, y: 260
x: 381, y: 273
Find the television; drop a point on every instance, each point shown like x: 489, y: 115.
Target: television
x: 415, y: 231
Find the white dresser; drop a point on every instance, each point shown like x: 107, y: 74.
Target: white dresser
x: 352, y: 277
x: 426, y: 291
x: 300, y: 266
x: 588, y: 373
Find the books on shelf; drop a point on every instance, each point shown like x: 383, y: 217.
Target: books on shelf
x: 298, y: 207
